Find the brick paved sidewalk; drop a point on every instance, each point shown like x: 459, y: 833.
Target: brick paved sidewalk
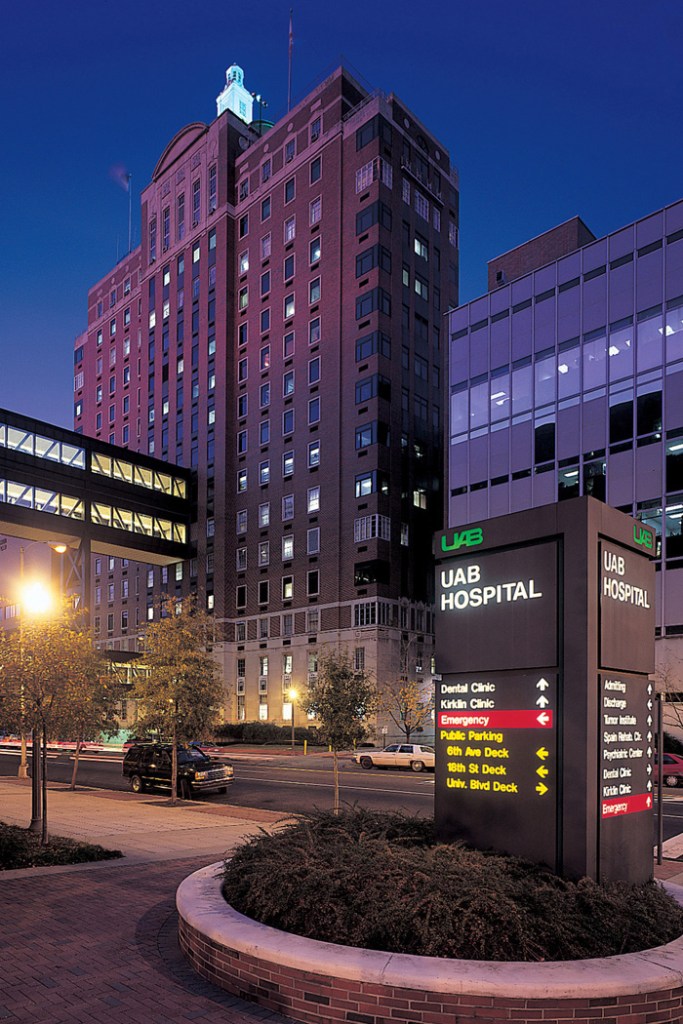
x: 99, y: 947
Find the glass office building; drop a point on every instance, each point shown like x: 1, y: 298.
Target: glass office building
x: 566, y: 378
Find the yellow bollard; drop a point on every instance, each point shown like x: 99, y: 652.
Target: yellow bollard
x: 305, y: 747
x: 329, y: 747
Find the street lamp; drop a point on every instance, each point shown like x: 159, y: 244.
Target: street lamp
x: 292, y: 697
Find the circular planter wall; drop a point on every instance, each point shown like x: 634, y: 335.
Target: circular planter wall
x: 317, y: 982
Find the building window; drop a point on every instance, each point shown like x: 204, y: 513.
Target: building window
x: 264, y: 553
x: 313, y: 583
x: 288, y: 268
x: 180, y: 217
x: 265, y: 171
x: 289, y: 306
x: 166, y: 227
x: 265, y: 246
x: 314, y: 331
x: 152, y: 240
x: 264, y: 395
x: 288, y: 464
x: 241, y: 480
x: 287, y: 507
x: 314, y: 291
x: 314, y: 411
x: 243, y: 189
x: 290, y: 190
x: 265, y: 283
x: 314, y: 370
x: 244, y: 225
x: 264, y: 473
x: 244, y: 297
x: 264, y: 515
x: 241, y: 596
x: 290, y: 229
x: 263, y: 594
x: 315, y: 211
x: 313, y: 454
x: 359, y: 659
x: 287, y: 547
x: 290, y: 150
x: 421, y: 205
x: 242, y: 369
x: 265, y: 208
x: 244, y: 262
x: 288, y: 422
x: 287, y: 588
x: 265, y: 320
x: 313, y: 541
x: 315, y: 170
x: 288, y: 383
x: 315, y: 129
x: 196, y: 201
x: 241, y: 442
x: 241, y: 559
x: 213, y: 188
x: 313, y: 500
x: 288, y: 345
x: 314, y: 250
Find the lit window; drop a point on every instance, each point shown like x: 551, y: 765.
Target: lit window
x: 315, y: 211
x: 264, y: 473
x: 314, y: 250
x: 288, y: 463
x: 244, y: 297
x: 287, y: 588
x: 287, y: 548
x: 313, y: 503
x: 289, y: 306
x: 264, y: 357
x: 244, y: 261
x: 290, y: 229
x: 264, y: 515
x: 264, y: 552
x: 242, y: 480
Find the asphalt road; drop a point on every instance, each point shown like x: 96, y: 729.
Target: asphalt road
x: 266, y: 782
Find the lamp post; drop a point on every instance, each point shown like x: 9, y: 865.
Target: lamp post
x: 35, y: 601
x: 292, y: 697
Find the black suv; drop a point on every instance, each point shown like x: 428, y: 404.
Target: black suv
x: 149, y: 765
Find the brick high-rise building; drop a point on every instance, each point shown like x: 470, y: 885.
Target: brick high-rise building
x: 279, y: 330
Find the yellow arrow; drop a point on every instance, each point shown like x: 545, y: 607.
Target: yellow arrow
x: 541, y: 789
x: 542, y: 753
x: 542, y: 771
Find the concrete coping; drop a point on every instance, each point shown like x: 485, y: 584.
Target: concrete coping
x: 201, y: 905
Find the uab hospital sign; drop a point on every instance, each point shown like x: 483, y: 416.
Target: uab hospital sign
x: 544, y: 640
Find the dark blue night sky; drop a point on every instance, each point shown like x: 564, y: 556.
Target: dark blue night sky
x: 549, y: 110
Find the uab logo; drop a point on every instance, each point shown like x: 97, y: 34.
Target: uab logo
x: 643, y: 537
x: 465, y: 539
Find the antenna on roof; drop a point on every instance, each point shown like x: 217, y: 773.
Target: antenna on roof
x: 289, y: 74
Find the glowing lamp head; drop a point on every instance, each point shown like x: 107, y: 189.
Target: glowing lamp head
x: 36, y: 599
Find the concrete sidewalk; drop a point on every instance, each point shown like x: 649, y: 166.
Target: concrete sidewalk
x: 144, y: 827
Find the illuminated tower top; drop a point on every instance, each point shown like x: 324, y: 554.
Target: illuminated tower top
x: 234, y: 96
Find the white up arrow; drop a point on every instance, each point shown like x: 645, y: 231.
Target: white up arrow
x: 543, y: 701
x: 542, y: 684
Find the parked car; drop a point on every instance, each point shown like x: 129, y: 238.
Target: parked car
x: 148, y: 765
x: 673, y: 769
x: 397, y: 755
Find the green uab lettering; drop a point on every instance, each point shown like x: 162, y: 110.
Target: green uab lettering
x: 642, y: 536
x: 466, y: 539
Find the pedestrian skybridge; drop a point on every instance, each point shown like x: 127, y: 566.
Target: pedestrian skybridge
x: 59, y: 486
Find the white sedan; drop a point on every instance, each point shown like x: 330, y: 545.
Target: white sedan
x: 397, y: 755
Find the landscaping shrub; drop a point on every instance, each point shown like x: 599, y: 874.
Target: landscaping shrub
x: 381, y: 881
x: 264, y: 732
x: 20, y: 848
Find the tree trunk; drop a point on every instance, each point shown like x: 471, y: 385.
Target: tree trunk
x: 75, y: 770
x: 43, y: 770
x: 335, y: 772
x: 174, y: 767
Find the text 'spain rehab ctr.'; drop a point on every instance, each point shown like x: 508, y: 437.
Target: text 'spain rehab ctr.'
x: 460, y: 589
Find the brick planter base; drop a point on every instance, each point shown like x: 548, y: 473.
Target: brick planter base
x: 319, y: 983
